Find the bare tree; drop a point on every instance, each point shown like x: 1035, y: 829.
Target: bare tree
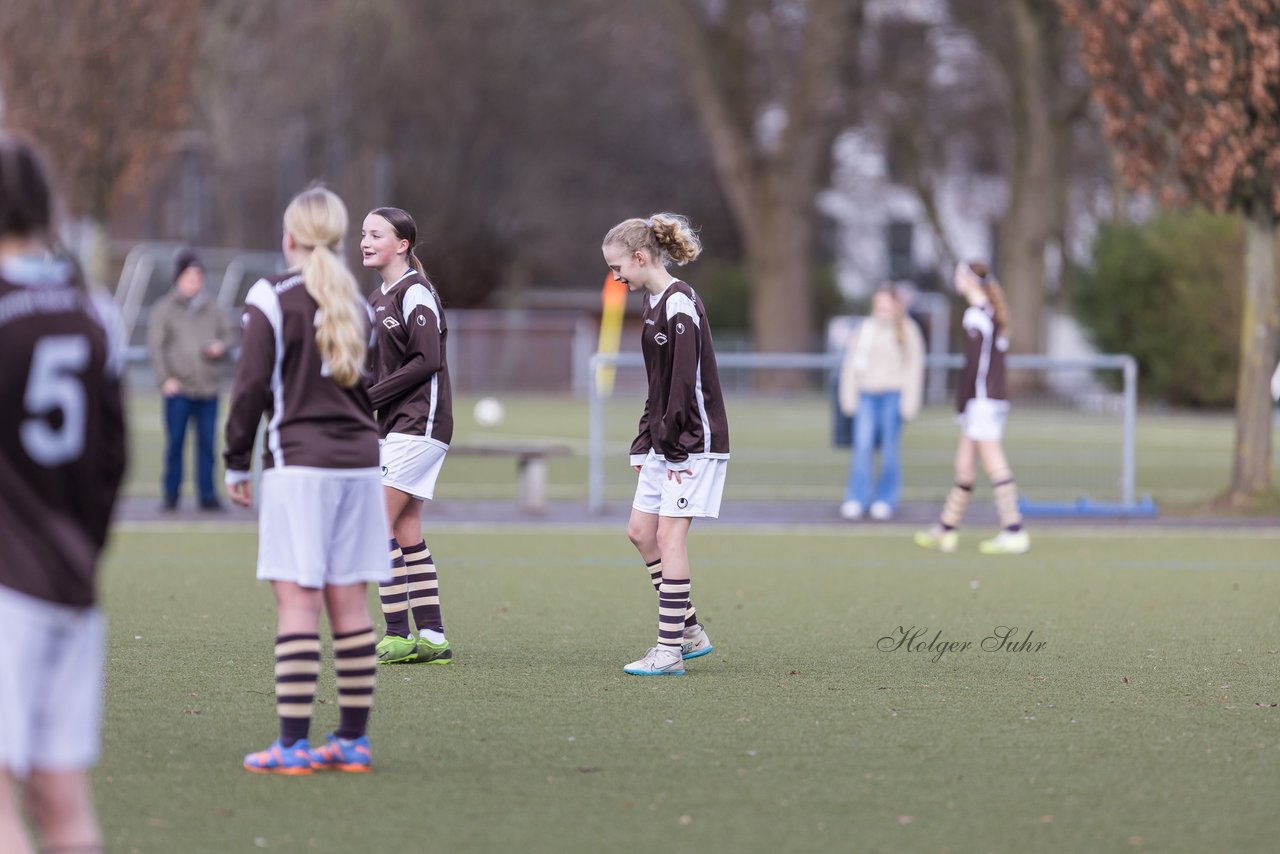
x: 770, y: 81
x: 1045, y: 95
x: 103, y: 85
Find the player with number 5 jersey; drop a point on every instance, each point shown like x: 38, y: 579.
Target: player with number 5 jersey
x: 62, y: 456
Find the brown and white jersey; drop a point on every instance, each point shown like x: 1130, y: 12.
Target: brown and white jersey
x: 62, y: 432
x: 311, y: 420
x: 684, y: 414
x: 983, y: 376
x: 410, y: 377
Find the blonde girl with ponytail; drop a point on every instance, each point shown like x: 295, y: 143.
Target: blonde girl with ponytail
x: 681, y: 450
x: 982, y: 405
x: 306, y: 335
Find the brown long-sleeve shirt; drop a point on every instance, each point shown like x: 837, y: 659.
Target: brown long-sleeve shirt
x: 62, y: 431
x: 684, y: 415
x: 311, y: 420
x: 410, y: 379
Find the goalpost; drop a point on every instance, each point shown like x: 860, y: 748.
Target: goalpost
x: 1070, y: 439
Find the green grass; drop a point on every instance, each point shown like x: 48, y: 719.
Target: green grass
x: 1146, y: 723
x: 1057, y: 455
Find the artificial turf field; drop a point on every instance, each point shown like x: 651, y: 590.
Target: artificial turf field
x: 1146, y: 722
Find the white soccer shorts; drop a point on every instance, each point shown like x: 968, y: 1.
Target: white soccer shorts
x: 319, y: 526
x: 51, y: 659
x: 698, y: 494
x: 983, y: 419
x: 411, y: 464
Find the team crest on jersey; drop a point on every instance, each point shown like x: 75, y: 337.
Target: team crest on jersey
x: 422, y: 320
x: 390, y: 322
x: 660, y: 338
x: 679, y: 328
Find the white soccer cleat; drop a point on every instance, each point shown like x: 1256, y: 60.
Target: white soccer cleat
x: 937, y: 539
x: 659, y: 661
x: 1006, y: 543
x: 851, y: 510
x: 881, y: 511
x: 696, y: 643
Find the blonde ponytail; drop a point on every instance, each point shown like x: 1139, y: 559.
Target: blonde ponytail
x: 317, y: 219
x: 664, y: 236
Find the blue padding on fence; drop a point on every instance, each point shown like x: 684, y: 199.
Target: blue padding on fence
x: 1144, y: 507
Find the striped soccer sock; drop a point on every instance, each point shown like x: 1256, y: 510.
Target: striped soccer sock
x: 395, y: 595
x: 297, y: 668
x: 356, y: 662
x: 956, y: 503
x: 1006, y: 494
x: 673, y: 600
x: 424, y: 588
x: 655, y: 576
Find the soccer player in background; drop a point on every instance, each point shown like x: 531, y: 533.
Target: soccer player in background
x: 982, y: 404
x: 410, y: 390
x: 321, y: 519
x: 62, y: 456
x: 682, y: 450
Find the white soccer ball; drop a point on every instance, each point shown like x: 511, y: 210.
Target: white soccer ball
x: 488, y: 412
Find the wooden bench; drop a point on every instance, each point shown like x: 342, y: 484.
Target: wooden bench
x: 531, y: 467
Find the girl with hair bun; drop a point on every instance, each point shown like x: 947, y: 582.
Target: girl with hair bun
x: 320, y: 517
x: 681, y: 452
x: 411, y: 392
x: 982, y: 405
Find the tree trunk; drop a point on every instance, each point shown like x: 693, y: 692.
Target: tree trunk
x: 777, y: 249
x: 1260, y: 335
x: 1028, y: 223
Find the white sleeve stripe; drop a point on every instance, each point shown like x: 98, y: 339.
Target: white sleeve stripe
x: 264, y: 298
x: 418, y: 295
x: 679, y: 303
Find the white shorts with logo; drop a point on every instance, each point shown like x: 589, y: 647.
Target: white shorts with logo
x: 319, y: 526
x: 50, y: 684
x: 412, y: 463
x: 698, y: 494
x: 983, y: 419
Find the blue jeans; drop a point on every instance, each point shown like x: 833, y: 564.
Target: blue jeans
x: 178, y: 412
x: 877, y: 422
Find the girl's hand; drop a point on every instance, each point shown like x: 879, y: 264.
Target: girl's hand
x: 241, y: 493
x: 637, y: 468
x: 677, y: 473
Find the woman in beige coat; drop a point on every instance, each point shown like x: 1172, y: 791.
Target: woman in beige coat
x: 880, y: 385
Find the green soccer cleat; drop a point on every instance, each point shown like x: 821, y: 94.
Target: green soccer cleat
x: 431, y: 653
x: 396, y: 650
x: 1006, y: 543
x: 937, y: 539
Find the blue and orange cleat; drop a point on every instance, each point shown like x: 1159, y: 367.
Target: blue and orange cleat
x: 276, y: 759
x: 343, y: 754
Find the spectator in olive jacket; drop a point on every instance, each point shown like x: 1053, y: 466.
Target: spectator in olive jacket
x: 190, y: 338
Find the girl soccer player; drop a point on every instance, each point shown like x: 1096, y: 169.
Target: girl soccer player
x: 410, y: 390
x: 321, y: 517
x: 62, y: 455
x: 682, y: 450
x: 983, y: 405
